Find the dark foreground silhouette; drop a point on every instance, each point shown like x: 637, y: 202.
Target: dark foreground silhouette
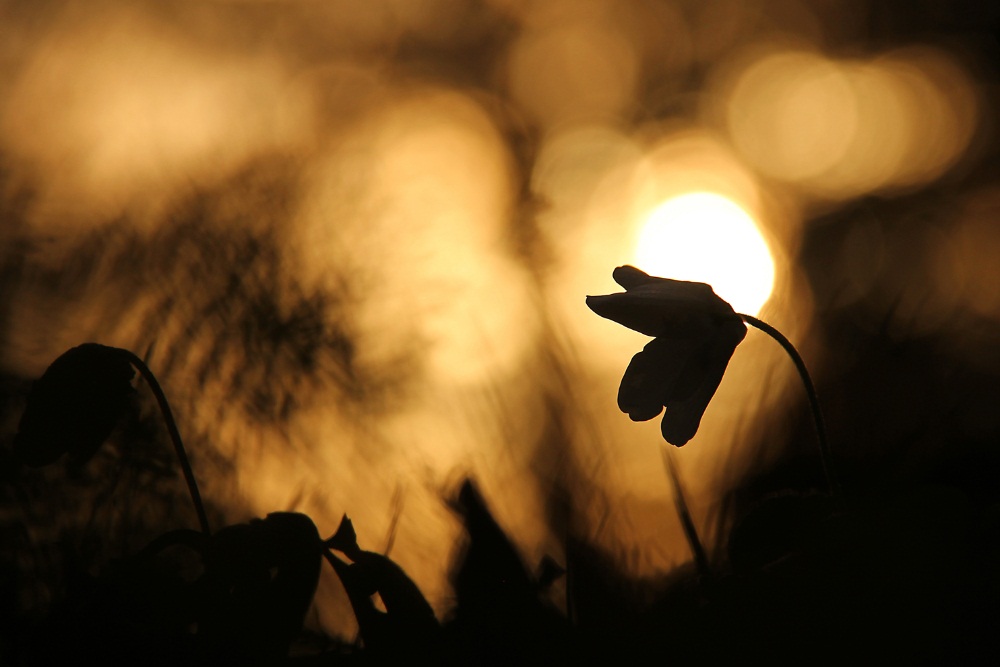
x: 907, y: 575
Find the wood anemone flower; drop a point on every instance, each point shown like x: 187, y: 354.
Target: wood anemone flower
x: 694, y: 335
x: 74, y: 406
x: 77, y: 403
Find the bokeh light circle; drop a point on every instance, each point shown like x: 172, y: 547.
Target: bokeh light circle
x: 706, y: 237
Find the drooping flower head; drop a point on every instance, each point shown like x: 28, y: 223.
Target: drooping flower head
x: 74, y: 406
x: 77, y: 403
x: 695, y: 333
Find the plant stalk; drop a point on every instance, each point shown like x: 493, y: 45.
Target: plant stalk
x: 175, y: 436
x: 687, y: 523
x: 826, y: 455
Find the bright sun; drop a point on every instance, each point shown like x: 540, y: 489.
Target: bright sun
x: 707, y: 238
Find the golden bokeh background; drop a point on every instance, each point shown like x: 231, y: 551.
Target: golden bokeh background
x: 354, y: 238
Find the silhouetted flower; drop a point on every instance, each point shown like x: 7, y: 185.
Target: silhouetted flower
x: 74, y: 406
x: 694, y: 335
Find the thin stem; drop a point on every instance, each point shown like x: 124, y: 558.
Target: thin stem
x: 687, y: 523
x: 824, y: 446
x: 175, y: 435
x: 397, y: 510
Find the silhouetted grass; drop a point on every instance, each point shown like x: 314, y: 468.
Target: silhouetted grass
x: 907, y: 573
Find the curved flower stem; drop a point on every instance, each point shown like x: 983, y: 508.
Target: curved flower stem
x: 175, y: 435
x: 824, y: 446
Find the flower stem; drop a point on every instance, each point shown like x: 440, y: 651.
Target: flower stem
x: 824, y: 446
x: 687, y: 523
x: 175, y: 435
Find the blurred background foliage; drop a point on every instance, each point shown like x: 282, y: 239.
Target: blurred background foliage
x: 353, y: 241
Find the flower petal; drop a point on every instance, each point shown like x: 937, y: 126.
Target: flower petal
x: 636, y: 394
x: 682, y: 418
x: 661, y: 306
x: 678, y: 310
x: 630, y: 277
x: 652, y: 377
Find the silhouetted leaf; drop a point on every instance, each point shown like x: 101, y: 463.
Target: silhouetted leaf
x: 408, y: 628
x: 345, y: 539
x: 260, y: 578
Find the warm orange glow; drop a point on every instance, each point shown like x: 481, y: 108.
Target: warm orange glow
x: 604, y: 188
x: 435, y: 190
x: 119, y: 110
x: 841, y: 128
x: 355, y: 238
x: 574, y: 69
x: 793, y: 115
x: 705, y: 237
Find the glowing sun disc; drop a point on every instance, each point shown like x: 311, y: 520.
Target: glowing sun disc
x: 707, y: 238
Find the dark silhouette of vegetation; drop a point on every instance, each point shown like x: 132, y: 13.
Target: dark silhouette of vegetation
x: 408, y: 627
x: 891, y: 556
x: 908, y: 574
x: 74, y: 406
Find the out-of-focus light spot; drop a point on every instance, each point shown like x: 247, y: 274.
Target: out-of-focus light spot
x: 116, y: 112
x: 429, y: 180
x: 966, y: 266
x: 692, y: 161
x: 602, y: 185
x: 793, y: 115
x: 841, y: 128
x: 705, y: 237
x: 571, y: 168
x: 942, y: 108
x: 575, y: 72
